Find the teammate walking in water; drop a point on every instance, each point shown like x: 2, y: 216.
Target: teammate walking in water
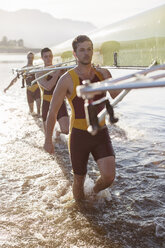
x: 32, y: 91
x: 82, y: 143
x: 48, y: 85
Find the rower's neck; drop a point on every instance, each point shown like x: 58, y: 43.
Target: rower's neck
x: 85, y: 71
x: 47, y: 65
x: 29, y: 64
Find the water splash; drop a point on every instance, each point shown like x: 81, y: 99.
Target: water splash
x: 160, y: 227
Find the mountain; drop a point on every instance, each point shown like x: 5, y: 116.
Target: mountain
x: 39, y: 29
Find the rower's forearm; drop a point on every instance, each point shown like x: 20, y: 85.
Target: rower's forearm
x: 115, y: 93
x: 53, y: 81
x: 8, y: 86
x: 50, y: 123
x: 48, y: 85
x: 43, y: 84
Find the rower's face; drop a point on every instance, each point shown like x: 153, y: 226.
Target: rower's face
x: 84, y: 52
x: 30, y: 58
x: 47, y: 58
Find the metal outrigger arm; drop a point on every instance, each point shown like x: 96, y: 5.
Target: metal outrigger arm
x: 93, y: 119
x: 137, y: 80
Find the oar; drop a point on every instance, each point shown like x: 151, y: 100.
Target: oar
x: 51, y: 67
x: 89, y: 90
x: 94, y: 120
x: 51, y: 71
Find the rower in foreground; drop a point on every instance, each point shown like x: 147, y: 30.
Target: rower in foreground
x: 82, y: 143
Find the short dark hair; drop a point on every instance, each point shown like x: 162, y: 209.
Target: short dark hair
x: 80, y: 39
x: 44, y: 50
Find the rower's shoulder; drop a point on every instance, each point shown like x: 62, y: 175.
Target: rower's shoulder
x: 105, y: 72
x: 65, y: 77
x: 39, y: 74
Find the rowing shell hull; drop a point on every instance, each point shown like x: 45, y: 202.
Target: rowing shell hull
x: 135, y: 41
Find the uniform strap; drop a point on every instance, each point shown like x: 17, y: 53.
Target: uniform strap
x: 76, y: 82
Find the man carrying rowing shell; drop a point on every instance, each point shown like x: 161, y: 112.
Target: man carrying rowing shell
x: 48, y: 85
x: 82, y: 143
x: 32, y: 91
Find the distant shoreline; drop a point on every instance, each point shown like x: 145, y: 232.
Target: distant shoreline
x: 19, y: 50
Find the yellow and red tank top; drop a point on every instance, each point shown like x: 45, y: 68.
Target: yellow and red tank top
x: 28, y: 80
x: 78, y: 119
x: 47, y: 94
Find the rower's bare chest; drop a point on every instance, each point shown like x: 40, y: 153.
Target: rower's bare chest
x: 82, y: 76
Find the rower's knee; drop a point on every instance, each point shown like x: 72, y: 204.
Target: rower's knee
x: 65, y: 130
x: 107, y: 169
x: 108, y: 179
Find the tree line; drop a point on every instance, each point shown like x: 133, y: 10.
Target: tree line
x: 5, y: 42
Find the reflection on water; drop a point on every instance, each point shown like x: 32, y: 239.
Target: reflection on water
x: 37, y: 207
x: 12, y: 58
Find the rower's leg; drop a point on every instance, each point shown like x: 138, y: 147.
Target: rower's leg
x: 38, y: 104
x: 31, y: 106
x: 78, y: 187
x: 30, y: 100
x: 107, y: 173
x: 64, y: 124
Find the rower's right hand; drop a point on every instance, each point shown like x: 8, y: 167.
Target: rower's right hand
x: 48, y: 146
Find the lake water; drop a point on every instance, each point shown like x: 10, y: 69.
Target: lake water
x: 36, y: 203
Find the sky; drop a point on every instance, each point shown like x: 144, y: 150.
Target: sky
x: 98, y: 12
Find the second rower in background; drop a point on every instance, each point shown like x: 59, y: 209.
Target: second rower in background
x: 48, y: 85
